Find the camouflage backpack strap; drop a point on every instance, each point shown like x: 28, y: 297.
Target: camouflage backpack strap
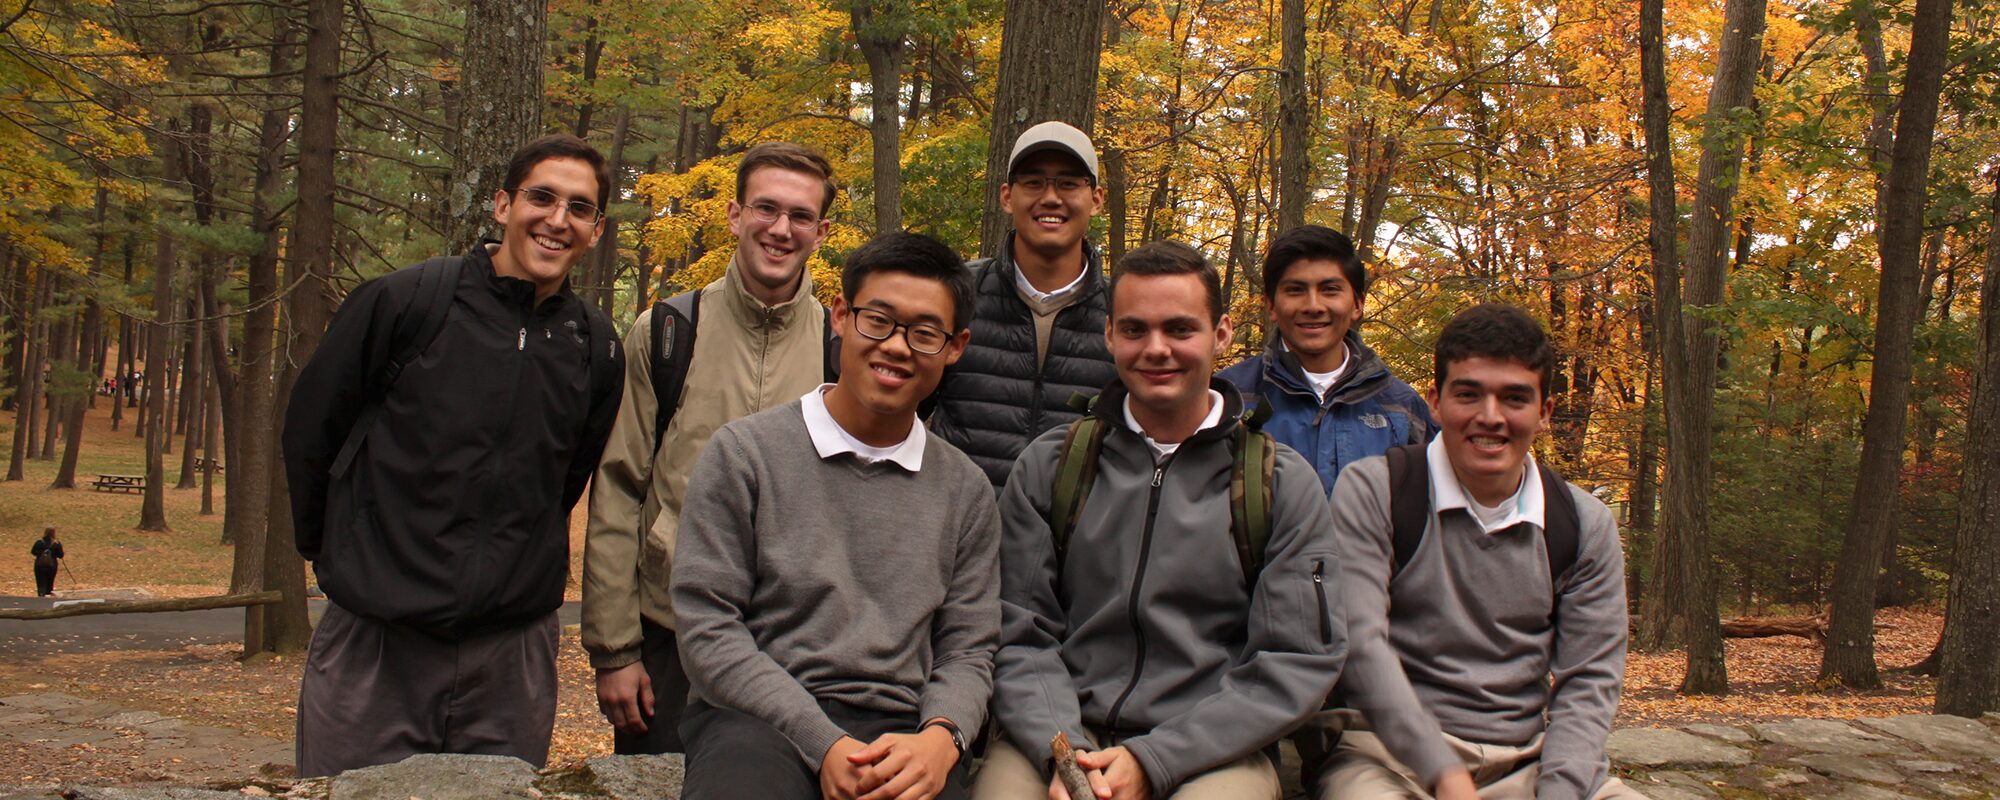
x: 1250, y: 482
x: 1076, y: 470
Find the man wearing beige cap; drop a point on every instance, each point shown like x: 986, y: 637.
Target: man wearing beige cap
x: 1039, y: 308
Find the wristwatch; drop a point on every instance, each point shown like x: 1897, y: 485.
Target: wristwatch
x: 957, y: 737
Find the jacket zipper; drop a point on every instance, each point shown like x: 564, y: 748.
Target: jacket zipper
x: 474, y: 573
x: 1132, y: 604
x: 1319, y: 585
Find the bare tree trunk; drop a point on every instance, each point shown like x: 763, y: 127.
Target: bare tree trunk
x: 62, y: 339
x: 28, y: 382
x: 1850, y: 647
x: 1682, y: 607
x: 92, y: 345
x: 211, y: 425
x: 605, y: 257
x: 1294, y: 171
x: 500, y: 108
x: 194, y: 397
x: 153, y: 511
x: 1048, y: 71
x: 881, y: 41
x: 1969, y: 654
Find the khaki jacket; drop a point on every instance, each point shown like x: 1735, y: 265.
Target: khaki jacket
x: 747, y: 357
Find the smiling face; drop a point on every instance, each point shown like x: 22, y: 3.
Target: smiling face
x: 887, y: 378
x: 1051, y: 222
x: 540, y: 245
x: 772, y: 254
x: 1489, y: 411
x: 1314, y: 307
x: 1164, y: 345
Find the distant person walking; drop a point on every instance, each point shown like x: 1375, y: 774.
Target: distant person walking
x: 48, y: 554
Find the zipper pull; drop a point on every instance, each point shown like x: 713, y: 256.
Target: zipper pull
x: 522, y: 343
x: 1157, y: 473
x: 1319, y: 570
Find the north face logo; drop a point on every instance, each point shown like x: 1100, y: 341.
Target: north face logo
x: 1375, y: 420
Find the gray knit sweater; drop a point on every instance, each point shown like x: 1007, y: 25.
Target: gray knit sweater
x: 800, y: 579
x: 1474, y: 638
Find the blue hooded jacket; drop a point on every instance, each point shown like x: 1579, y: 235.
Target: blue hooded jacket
x: 1367, y: 412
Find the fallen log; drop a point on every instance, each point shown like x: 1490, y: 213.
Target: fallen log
x: 1813, y: 628
x: 145, y: 606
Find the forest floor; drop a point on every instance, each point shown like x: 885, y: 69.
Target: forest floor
x: 198, y: 679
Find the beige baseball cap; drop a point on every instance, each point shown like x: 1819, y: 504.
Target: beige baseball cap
x: 1053, y: 135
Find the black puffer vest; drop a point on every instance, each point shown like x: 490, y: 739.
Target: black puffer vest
x: 994, y: 400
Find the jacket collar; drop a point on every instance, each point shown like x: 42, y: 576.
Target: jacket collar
x: 509, y: 289
x: 1282, y: 368
x: 1093, y: 270
x: 1109, y: 407
x: 753, y: 312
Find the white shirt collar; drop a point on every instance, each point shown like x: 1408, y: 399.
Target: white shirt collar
x: 831, y: 440
x: 1160, y: 451
x: 1041, y: 297
x: 1446, y: 492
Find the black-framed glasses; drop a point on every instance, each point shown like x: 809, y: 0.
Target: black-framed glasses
x: 1064, y: 184
x: 923, y: 338
x: 580, y: 210
x: 767, y: 213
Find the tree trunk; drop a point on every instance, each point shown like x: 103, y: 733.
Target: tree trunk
x: 153, y: 513
x: 499, y: 108
x: 881, y: 41
x: 1048, y: 71
x: 1294, y: 172
x: 605, y: 257
x: 1850, y: 649
x: 1683, y: 607
x: 1969, y: 654
x: 28, y: 381
x: 194, y: 398
x: 92, y: 346
x: 62, y: 348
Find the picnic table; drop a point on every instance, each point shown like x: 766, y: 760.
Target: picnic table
x: 119, y: 483
x: 203, y: 462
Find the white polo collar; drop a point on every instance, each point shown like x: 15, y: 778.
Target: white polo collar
x: 1160, y: 451
x: 831, y: 440
x: 1045, y: 298
x: 1527, y: 504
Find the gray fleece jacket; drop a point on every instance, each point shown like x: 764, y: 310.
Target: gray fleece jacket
x: 1475, y: 638
x: 800, y: 579
x: 1148, y: 631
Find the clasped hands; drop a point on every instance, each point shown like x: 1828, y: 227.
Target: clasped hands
x: 897, y: 766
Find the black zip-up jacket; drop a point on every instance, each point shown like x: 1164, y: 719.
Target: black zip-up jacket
x: 452, y: 516
x: 996, y: 400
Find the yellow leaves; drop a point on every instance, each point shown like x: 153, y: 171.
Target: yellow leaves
x: 792, y: 36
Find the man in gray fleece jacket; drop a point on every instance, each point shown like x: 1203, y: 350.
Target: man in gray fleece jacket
x: 836, y: 574
x: 1142, y: 640
x: 1475, y: 672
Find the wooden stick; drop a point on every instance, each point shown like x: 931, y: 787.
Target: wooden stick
x: 145, y: 606
x: 1072, y: 776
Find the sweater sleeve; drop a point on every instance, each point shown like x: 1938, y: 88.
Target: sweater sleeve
x: 714, y: 575
x: 966, y: 630
x: 611, y: 619
x: 1034, y: 696
x: 1375, y: 682
x: 1588, y: 665
x: 1297, y: 641
x: 328, y: 398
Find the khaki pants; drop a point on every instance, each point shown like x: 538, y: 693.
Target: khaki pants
x: 1007, y: 775
x: 1362, y: 769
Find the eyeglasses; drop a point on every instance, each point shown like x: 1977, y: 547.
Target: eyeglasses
x: 926, y: 339
x: 1036, y: 184
x: 767, y: 213
x: 579, y: 210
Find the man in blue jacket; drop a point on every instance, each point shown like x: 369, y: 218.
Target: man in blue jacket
x: 1330, y: 397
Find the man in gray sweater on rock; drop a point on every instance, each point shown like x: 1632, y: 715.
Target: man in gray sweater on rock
x: 836, y: 578
x: 1486, y: 611
x: 1156, y: 634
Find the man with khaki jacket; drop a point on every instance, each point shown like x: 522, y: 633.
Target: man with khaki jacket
x: 759, y: 343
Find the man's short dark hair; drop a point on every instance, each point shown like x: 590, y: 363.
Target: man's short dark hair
x: 1313, y: 243
x: 558, y: 145
x: 911, y: 254
x: 1172, y: 258
x: 786, y: 156
x: 1498, y: 331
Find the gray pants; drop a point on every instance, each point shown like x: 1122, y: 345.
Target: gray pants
x: 376, y: 693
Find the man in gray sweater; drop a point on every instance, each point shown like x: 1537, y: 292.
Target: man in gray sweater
x: 836, y: 577
x: 1144, y: 636
x: 1489, y: 638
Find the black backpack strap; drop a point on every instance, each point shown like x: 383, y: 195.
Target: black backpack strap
x: 1409, y: 501
x: 674, y: 323
x: 1562, y: 530
x: 422, y: 319
x: 829, y: 348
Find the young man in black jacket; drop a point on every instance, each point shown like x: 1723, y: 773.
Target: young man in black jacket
x: 435, y: 444
x: 1038, y: 308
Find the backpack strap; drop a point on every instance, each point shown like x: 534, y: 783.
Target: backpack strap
x: 1409, y: 502
x: 1563, y: 528
x: 1076, y: 470
x: 675, y: 321
x: 422, y: 319
x: 1250, y: 482
x: 829, y: 348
